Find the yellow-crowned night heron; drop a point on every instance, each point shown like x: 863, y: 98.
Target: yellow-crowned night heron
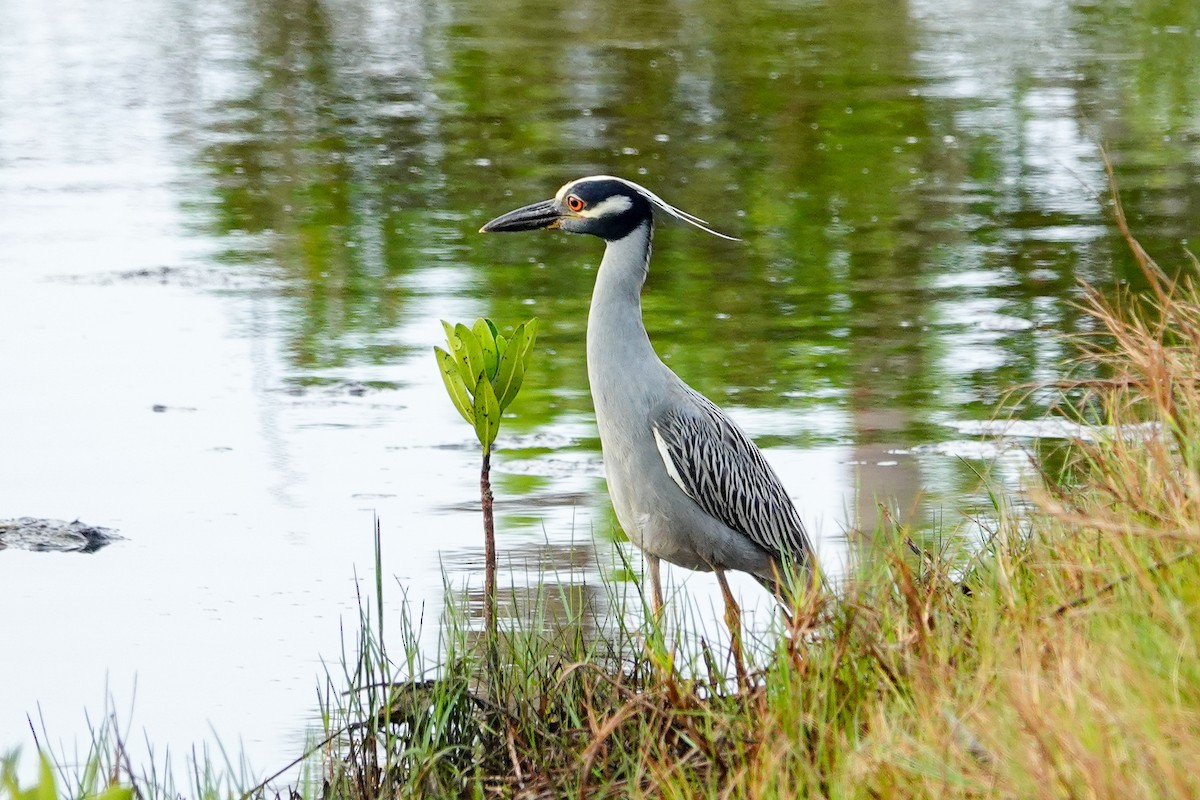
x: 687, y: 484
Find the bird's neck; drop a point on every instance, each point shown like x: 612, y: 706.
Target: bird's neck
x: 616, y: 335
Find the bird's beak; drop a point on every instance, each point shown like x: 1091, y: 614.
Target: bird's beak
x: 527, y: 218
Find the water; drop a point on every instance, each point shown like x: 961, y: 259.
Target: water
x: 253, y: 215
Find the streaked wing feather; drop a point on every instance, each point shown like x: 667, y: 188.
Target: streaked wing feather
x: 718, y: 466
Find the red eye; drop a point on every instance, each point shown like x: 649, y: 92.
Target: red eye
x: 574, y: 203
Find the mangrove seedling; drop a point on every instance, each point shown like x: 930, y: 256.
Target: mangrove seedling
x: 483, y: 371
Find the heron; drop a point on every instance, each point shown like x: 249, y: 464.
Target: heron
x: 687, y: 484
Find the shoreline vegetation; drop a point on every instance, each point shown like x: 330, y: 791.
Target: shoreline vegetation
x: 1059, y: 659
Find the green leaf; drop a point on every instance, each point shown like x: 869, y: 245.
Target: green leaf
x: 487, y: 414
x: 492, y: 327
x: 485, y: 332
x: 512, y: 369
x: 116, y: 793
x: 45, y: 789
x: 452, y: 376
x: 8, y: 775
x: 531, y: 328
x: 473, y: 364
x: 452, y: 338
x: 458, y: 349
x: 501, y: 345
x: 514, y: 385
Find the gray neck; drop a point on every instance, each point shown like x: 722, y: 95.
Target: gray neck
x: 616, y: 336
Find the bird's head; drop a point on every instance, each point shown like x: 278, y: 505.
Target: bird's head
x: 601, y: 205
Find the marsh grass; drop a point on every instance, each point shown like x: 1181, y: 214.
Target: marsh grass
x: 1057, y: 660
x: 105, y: 770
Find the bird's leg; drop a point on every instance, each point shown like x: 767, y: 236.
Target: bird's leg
x: 733, y: 618
x: 661, y: 658
x: 656, y: 595
x: 784, y: 599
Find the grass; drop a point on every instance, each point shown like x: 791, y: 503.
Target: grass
x: 1059, y: 660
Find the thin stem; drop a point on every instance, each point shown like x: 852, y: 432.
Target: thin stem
x: 489, y: 548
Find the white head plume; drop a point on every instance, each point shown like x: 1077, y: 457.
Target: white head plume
x: 677, y: 213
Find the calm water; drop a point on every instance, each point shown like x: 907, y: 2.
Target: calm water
x: 255, y: 213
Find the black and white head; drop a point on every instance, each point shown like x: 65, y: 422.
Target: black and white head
x: 601, y: 205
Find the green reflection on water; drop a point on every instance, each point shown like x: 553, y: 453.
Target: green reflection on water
x: 914, y: 184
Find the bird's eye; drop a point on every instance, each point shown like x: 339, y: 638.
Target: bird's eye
x: 574, y: 203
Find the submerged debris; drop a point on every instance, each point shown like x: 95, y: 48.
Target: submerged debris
x: 53, y: 535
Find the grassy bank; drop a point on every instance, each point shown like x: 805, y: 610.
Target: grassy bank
x: 1060, y: 660
x: 1057, y: 660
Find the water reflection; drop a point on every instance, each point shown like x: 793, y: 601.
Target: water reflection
x: 552, y: 585
x: 916, y: 186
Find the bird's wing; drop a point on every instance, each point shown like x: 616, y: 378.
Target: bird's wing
x: 717, y: 465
